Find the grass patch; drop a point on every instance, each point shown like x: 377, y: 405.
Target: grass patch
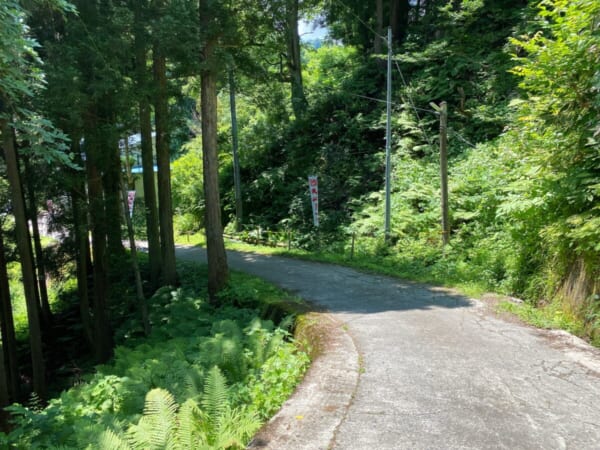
x: 550, y: 316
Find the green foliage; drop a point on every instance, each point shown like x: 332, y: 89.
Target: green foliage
x: 187, y: 190
x: 558, y: 123
x: 189, y: 382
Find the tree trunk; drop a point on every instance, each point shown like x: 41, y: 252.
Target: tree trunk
x: 294, y: 61
x: 399, y: 19
x: 4, y: 392
x: 82, y: 246
x: 377, y: 49
x: 25, y: 254
x: 218, y: 271
x: 97, y: 214
x: 111, y: 184
x: 39, y: 253
x: 161, y: 118
x: 151, y: 212
x: 141, y: 299
x: 239, y: 213
x: 7, y: 325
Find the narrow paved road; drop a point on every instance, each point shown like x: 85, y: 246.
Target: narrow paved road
x: 438, y: 370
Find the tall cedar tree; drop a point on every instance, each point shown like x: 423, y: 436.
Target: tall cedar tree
x: 145, y: 124
x: 161, y: 123
x: 218, y: 271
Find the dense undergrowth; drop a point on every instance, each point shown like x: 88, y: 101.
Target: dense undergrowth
x: 206, y: 377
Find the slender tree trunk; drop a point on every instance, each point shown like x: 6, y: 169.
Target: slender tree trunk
x: 161, y: 119
x: 111, y: 184
x: 152, y: 226
x: 136, y: 268
x: 25, y: 253
x: 82, y: 245
x: 218, y: 271
x: 239, y: 213
x: 294, y: 61
x: 37, y: 245
x: 97, y: 213
x: 7, y: 325
x: 4, y: 392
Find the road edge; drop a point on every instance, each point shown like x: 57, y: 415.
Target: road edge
x: 309, y: 419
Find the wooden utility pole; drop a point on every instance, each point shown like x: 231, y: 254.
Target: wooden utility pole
x: 444, y: 171
x: 388, y: 139
x: 236, y: 160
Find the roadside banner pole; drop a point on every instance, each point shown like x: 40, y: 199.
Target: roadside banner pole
x: 313, y: 185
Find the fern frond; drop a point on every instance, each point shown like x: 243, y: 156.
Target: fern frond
x: 188, y: 433
x: 109, y: 440
x: 158, y: 422
x: 215, y: 400
x: 235, y: 428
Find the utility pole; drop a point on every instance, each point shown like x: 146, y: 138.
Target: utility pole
x: 236, y: 161
x: 388, y: 139
x: 444, y: 171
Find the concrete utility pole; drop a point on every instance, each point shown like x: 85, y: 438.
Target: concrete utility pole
x: 236, y: 161
x: 444, y: 171
x: 388, y: 139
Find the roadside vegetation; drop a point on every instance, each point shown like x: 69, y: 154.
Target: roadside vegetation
x: 206, y: 376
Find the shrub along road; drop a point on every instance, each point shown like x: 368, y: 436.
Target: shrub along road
x: 412, y: 366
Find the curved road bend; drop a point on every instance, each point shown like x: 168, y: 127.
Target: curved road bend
x: 438, y: 371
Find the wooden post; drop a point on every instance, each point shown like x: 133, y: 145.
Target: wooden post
x: 352, y: 248
x: 444, y: 171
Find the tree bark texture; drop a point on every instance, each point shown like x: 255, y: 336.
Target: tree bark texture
x: 97, y: 214
x: 37, y: 245
x: 82, y: 245
x: 161, y: 118
x: 25, y: 254
x: 399, y: 19
x: 7, y: 326
x: 151, y: 210
x: 378, y: 27
x: 218, y: 271
x: 294, y: 61
x: 111, y: 175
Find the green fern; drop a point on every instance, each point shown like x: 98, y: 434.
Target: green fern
x: 156, y: 426
x: 109, y: 440
x: 215, y: 400
x: 234, y: 428
x: 188, y: 434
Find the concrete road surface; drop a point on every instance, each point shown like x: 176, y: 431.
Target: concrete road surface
x: 416, y: 367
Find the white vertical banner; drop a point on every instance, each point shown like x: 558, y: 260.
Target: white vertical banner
x: 130, y: 200
x: 313, y: 185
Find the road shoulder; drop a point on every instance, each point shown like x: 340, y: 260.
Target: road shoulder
x: 310, y: 417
